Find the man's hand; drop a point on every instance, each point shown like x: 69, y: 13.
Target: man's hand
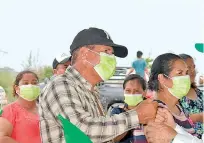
x: 146, y: 111
x: 164, y: 116
x: 159, y: 133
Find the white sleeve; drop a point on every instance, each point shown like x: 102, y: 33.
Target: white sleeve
x: 180, y: 138
x: 184, y: 137
x: 181, y: 130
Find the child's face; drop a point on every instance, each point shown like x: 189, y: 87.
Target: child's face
x: 133, y: 87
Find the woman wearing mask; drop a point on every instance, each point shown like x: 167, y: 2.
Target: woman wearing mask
x: 169, y: 78
x: 19, y: 122
x: 134, y: 87
x: 192, y: 103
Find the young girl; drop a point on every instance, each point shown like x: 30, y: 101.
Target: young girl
x: 19, y: 122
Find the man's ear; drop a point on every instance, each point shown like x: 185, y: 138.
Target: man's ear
x: 54, y: 71
x: 83, y: 52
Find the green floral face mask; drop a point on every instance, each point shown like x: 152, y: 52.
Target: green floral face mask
x: 29, y: 92
x: 133, y: 99
x: 106, y: 67
x: 181, y: 86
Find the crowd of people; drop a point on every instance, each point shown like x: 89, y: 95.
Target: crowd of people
x: 174, y: 114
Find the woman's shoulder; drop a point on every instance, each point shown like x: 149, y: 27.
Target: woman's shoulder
x: 9, y: 112
x: 12, y: 106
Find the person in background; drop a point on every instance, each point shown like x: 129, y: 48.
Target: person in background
x: 60, y: 64
x: 201, y: 80
x: 169, y: 78
x: 165, y: 130
x: 74, y: 95
x: 139, y: 65
x: 192, y: 103
x: 19, y: 122
x: 134, y: 87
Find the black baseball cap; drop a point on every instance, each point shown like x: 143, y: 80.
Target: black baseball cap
x: 95, y: 36
x: 60, y: 59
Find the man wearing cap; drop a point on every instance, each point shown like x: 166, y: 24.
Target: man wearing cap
x: 73, y: 95
x: 60, y: 63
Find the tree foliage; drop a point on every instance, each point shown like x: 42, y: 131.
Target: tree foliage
x: 149, y: 62
x: 32, y: 63
x: 6, y: 81
x: 45, y: 72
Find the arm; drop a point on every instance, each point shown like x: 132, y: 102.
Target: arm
x: 195, y: 117
x: 198, y: 117
x: 146, y: 71
x: 181, y: 138
x: 66, y: 101
x: 120, y: 137
x: 99, y: 129
x: 162, y: 133
x: 130, y: 71
x: 5, y: 131
x: 69, y: 100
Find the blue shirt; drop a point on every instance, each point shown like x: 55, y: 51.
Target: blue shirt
x: 139, y: 65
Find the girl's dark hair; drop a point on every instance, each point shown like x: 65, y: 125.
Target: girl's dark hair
x: 19, y: 77
x: 161, y: 65
x: 135, y: 77
x: 185, y: 57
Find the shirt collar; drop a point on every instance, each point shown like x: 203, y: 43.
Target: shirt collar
x: 78, y: 79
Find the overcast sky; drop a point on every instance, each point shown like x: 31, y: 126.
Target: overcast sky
x: 48, y: 26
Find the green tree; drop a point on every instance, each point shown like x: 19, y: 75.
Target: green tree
x: 45, y: 72
x: 6, y: 81
x: 32, y: 63
x: 149, y: 62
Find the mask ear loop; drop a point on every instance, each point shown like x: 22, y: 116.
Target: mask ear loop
x: 94, y: 53
x: 167, y: 77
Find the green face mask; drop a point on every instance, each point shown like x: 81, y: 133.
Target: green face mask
x: 29, y: 92
x: 181, y: 86
x: 106, y: 67
x: 133, y: 99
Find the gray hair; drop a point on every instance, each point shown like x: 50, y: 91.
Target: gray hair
x: 76, y: 53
